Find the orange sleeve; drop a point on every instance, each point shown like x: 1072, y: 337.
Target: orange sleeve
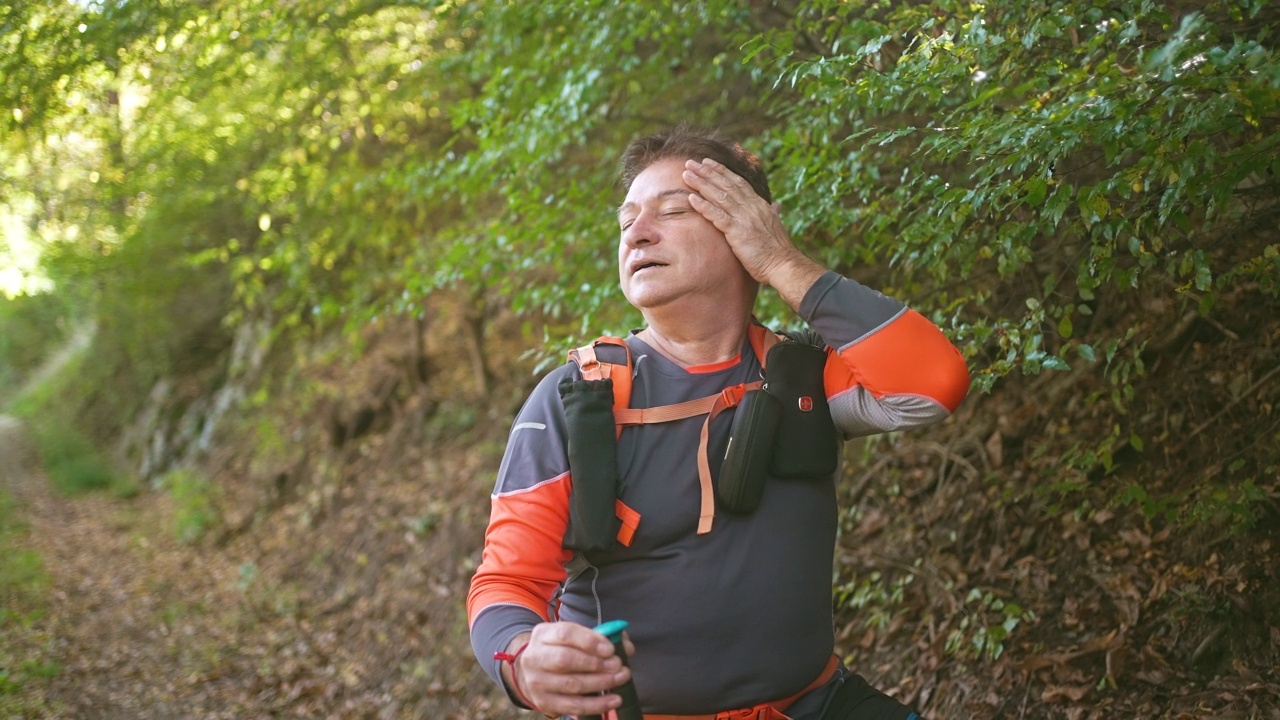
x: 524, y: 556
x: 908, y: 356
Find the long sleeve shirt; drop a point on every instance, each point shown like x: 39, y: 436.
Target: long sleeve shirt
x: 740, y: 615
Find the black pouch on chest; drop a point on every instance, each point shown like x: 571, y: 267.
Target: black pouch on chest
x: 593, y: 457
x: 805, y: 445
x: 783, y: 429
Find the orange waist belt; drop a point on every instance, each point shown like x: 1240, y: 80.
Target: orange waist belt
x: 764, y: 711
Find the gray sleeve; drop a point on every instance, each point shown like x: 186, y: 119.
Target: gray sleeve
x: 534, y: 455
x: 844, y: 311
x: 536, y: 446
x: 917, y: 389
x: 493, y: 631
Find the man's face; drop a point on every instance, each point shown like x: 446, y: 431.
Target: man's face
x: 668, y: 251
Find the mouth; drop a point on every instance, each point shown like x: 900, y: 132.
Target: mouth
x: 645, y: 265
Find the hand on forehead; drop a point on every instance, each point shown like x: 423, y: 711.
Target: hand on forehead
x: 718, y: 184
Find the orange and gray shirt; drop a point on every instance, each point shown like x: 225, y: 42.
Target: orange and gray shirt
x: 740, y: 615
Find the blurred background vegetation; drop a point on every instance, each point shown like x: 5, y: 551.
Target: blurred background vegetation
x: 202, y: 202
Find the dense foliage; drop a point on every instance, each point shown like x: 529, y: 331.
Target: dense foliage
x: 345, y: 161
x: 1012, y: 170
x: 1072, y: 190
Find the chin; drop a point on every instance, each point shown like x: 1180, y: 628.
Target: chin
x: 647, y: 297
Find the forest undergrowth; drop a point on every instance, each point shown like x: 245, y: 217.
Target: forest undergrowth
x: 1081, y: 195
x: 979, y: 572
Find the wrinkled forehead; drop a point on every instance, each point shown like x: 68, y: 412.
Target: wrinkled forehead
x: 660, y: 179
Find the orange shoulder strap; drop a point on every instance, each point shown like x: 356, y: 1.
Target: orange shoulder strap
x: 761, y: 339
x: 593, y: 368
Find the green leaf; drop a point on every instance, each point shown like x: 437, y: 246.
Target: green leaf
x: 1053, y: 362
x: 1057, y: 204
x: 1036, y: 188
x: 1204, y: 277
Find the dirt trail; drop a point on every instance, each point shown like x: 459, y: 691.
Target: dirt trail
x: 360, y: 620
x: 138, y: 625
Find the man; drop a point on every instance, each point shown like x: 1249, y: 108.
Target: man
x: 731, y: 617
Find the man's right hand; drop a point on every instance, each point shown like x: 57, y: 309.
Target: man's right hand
x: 565, y: 668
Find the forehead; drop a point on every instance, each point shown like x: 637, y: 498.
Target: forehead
x: 662, y: 178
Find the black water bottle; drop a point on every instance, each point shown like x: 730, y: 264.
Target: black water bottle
x: 630, y: 709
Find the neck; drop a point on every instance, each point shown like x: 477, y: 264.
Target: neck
x: 688, y: 343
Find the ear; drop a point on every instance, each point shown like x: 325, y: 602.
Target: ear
x: 777, y: 209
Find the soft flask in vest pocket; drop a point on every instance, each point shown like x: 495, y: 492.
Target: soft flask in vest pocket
x: 593, y: 457
x: 747, y: 457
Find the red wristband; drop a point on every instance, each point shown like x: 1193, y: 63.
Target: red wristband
x: 515, y: 676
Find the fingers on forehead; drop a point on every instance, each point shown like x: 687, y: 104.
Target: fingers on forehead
x: 719, y: 177
x: 720, y: 171
x: 710, y: 209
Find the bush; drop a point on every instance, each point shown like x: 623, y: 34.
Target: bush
x: 30, y: 327
x: 195, y: 499
x: 53, y: 409
x: 72, y: 462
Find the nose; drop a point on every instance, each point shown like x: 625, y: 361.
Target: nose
x: 641, y: 232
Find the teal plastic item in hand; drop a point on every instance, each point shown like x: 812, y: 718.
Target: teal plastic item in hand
x: 630, y: 709
x: 612, y: 629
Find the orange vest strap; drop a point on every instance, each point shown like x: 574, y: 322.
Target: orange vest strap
x: 729, y: 397
x: 592, y: 368
x: 630, y: 521
x: 762, y: 339
x: 664, y: 413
